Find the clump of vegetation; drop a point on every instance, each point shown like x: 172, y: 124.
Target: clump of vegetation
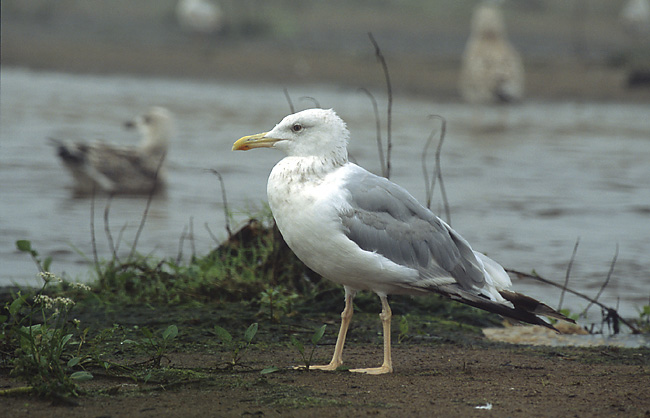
x: 253, y: 264
x: 157, y: 347
x: 39, y: 329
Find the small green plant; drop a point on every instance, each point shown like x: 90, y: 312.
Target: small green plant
x: 315, y: 339
x: 643, y: 323
x: 403, y: 329
x: 155, y: 346
x: 39, y: 331
x: 237, y: 348
x: 277, y: 301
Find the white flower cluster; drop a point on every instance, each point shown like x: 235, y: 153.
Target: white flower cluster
x: 81, y: 286
x: 49, y: 276
x: 50, y: 303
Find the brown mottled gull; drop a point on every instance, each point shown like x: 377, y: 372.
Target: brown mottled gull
x: 121, y: 170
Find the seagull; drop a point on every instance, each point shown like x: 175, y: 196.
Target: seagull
x: 491, y: 70
x: 366, y: 233
x: 201, y: 16
x: 125, y: 170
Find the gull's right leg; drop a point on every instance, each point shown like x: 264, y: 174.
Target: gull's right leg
x: 346, y: 316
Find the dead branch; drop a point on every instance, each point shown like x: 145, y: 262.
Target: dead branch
x: 226, y: 211
x: 606, y: 282
x: 214, y: 237
x: 311, y: 99
x: 286, y: 94
x: 389, y: 88
x: 610, y: 311
x: 380, y: 147
x: 154, y: 187
x: 437, y: 172
x: 181, y: 241
x: 107, y: 229
x: 93, y: 240
x: 568, y: 273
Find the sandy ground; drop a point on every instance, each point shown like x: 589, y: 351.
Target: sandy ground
x: 429, y: 380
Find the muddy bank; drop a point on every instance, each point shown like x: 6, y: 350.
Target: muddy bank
x: 442, y: 368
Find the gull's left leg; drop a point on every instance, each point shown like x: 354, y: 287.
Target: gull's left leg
x: 385, y: 316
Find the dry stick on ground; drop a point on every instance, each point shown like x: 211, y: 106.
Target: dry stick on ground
x: 146, y: 209
x: 226, y: 211
x: 609, y: 276
x: 568, y: 273
x: 389, y: 111
x: 609, y: 310
x: 437, y: 172
x: 380, y: 148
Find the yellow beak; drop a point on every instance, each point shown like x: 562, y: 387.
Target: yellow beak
x: 254, y: 141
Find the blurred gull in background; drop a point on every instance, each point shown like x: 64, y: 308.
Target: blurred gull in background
x: 200, y: 16
x: 636, y: 16
x: 128, y: 170
x: 492, y: 71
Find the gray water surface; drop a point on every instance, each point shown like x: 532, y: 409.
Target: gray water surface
x: 522, y: 193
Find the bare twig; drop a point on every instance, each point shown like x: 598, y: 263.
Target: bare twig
x: 214, y: 237
x: 380, y: 146
x: 389, y: 111
x: 181, y: 241
x: 226, y: 211
x: 119, y: 237
x: 568, y: 273
x: 93, y: 240
x: 107, y: 228
x: 146, y: 209
x: 425, y: 171
x: 606, y: 282
x: 437, y: 172
x: 611, y: 311
x: 192, y: 244
x: 286, y: 94
x: 311, y: 99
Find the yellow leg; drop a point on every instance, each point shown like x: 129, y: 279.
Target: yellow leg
x: 385, y: 316
x: 346, y: 316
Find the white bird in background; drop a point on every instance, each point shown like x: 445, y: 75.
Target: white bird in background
x: 491, y: 70
x: 129, y: 170
x: 366, y: 233
x: 636, y: 16
x: 201, y: 16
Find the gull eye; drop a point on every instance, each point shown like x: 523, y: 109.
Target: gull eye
x: 296, y: 127
x: 148, y: 119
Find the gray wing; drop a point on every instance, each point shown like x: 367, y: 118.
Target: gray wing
x: 386, y: 219
x: 121, y: 164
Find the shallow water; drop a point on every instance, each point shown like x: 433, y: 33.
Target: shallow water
x: 522, y: 190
